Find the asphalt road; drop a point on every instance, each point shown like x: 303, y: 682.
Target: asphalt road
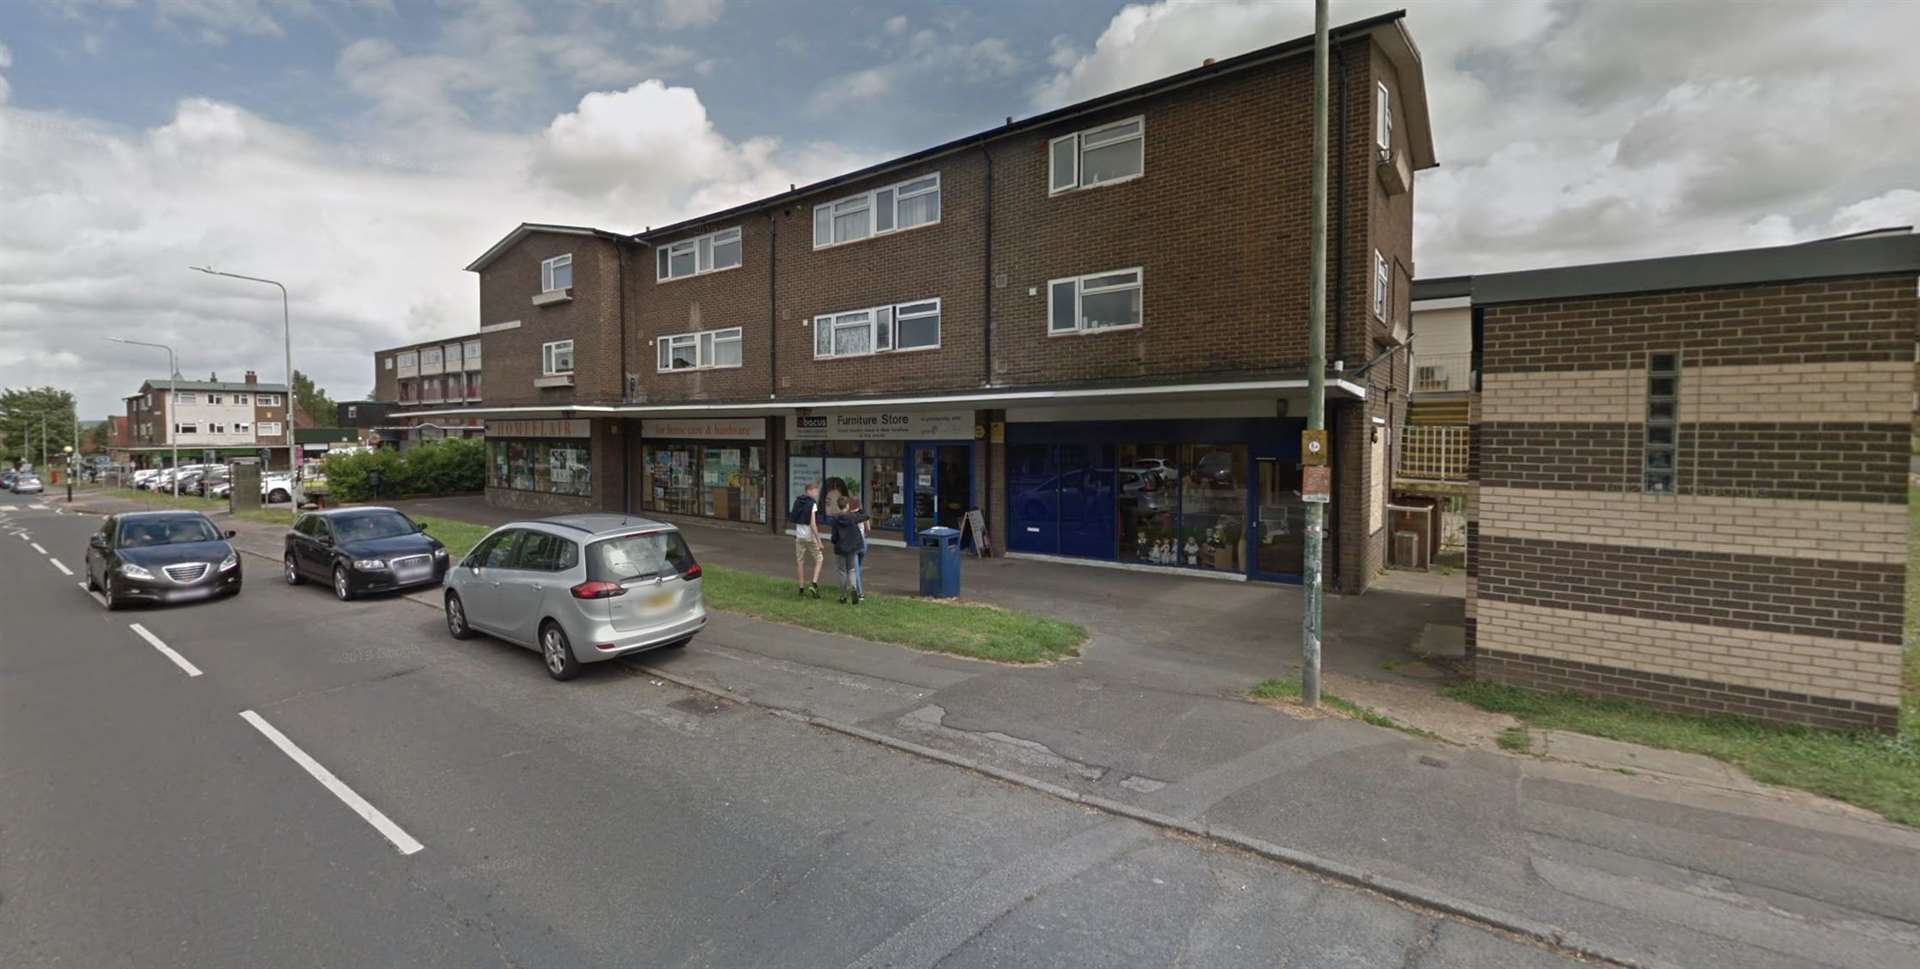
x: 475, y: 813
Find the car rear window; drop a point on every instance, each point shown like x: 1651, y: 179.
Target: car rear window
x: 638, y: 556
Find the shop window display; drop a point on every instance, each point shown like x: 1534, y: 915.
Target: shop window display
x: 1145, y: 505
x: 872, y: 471
x: 724, y: 480
x: 1213, y: 506
x: 549, y: 467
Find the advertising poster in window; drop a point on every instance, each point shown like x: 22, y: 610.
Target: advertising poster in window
x: 803, y: 471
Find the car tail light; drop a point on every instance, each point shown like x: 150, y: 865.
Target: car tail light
x: 692, y: 572
x: 597, y: 590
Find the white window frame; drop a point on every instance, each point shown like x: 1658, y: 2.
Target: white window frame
x: 389, y: 363
x: 242, y: 427
x: 1076, y: 143
x: 188, y: 397
x: 872, y: 201
x: 268, y: 429
x: 180, y: 428
x: 705, y: 344
x: 547, y: 266
x: 883, y: 327
x: 214, y: 428
x: 1080, y: 291
x: 702, y: 247
x: 1382, y: 285
x: 213, y: 398
x: 549, y: 356
x: 267, y: 400
x: 242, y: 399
x: 1383, y: 120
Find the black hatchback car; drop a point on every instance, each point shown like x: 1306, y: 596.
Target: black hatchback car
x: 360, y: 550
x: 161, y: 556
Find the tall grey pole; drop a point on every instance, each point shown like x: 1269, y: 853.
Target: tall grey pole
x: 286, y: 321
x: 1314, y: 579
x: 173, y: 401
x: 43, y: 440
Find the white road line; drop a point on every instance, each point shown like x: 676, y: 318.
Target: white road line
x: 97, y: 597
x: 57, y: 564
x: 37, y: 548
x: 380, y: 822
x: 165, y: 650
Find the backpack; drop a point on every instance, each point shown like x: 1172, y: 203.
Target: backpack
x: 802, y: 511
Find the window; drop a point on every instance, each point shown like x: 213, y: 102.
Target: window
x: 556, y: 357
x: 903, y: 205
x: 713, y: 479
x: 431, y: 357
x: 1430, y: 377
x: 543, y: 552
x: 269, y: 428
x: 1089, y: 304
x: 1659, y: 473
x: 213, y: 398
x: 704, y: 254
x: 406, y: 391
x: 267, y: 400
x: 409, y: 362
x: 1381, y: 283
x: 473, y: 385
x: 189, y: 397
x: 388, y: 363
x: 855, y: 333
x: 556, y: 273
x: 560, y: 467
x: 473, y: 354
x: 242, y: 427
x: 1098, y: 156
x: 216, y: 428
x: 1383, y: 121
x: 431, y: 389
x: 241, y: 399
x: 699, y: 351
x: 186, y: 428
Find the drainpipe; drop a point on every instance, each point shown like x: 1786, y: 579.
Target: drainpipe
x: 773, y: 312
x: 986, y: 486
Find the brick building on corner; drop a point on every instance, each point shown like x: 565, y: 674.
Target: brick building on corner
x: 1691, y: 479
x: 1089, y: 324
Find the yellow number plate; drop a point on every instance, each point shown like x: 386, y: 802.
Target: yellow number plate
x: 659, y: 599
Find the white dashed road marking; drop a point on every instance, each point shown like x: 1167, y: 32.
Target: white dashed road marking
x: 97, y: 597
x: 37, y: 548
x: 380, y: 822
x: 58, y: 565
x: 165, y: 650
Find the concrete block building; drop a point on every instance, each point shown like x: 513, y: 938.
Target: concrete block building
x: 1089, y: 324
x: 1691, y: 478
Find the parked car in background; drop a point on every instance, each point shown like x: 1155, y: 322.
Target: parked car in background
x: 579, y: 589
x: 212, y: 476
x: 27, y: 484
x: 143, y: 477
x: 220, y: 489
x: 360, y: 550
x: 6, y: 479
x: 161, y: 556
x: 276, y: 487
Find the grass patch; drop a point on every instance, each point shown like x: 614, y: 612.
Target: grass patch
x: 1002, y: 635
x: 1288, y: 689
x: 1515, y: 739
x: 458, y: 536
x: 1876, y: 772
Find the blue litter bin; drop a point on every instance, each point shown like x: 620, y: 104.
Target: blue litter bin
x: 940, y: 563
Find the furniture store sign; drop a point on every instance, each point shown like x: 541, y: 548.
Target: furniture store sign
x: 540, y: 428
x: 881, y: 425
x: 716, y: 429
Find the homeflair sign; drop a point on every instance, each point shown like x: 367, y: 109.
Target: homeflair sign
x: 551, y: 427
x: 705, y: 429
x: 881, y: 425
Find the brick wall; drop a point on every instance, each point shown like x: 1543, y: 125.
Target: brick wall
x: 710, y: 301
x: 511, y: 359
x: 1771, y: 583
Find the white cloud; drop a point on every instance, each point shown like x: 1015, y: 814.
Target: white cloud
x: 6, y: 61
x: 896, y: 25
x: 676, y: 14
x: 926, y: 56
x: 1581, y: 131
x: 865, y: 84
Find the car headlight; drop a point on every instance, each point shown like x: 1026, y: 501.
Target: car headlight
x: 439, y: 553
x: 232, y: 561
x: 133, y: 571
x: 370, y: 565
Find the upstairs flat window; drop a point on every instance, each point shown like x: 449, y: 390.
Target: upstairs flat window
x: 1382, y: 285
x: 891, y: 208
x: 879, y: 329
x: 242, y: 399
x: 213, y: 398
x: 1383, y: 120
x: 703, y: 254
x: 713, y: 349
x: 556, y: 358
x: 556, y: 273
x: 1098, y: 156
x: 1095, y: 303
x: 267, y: 400
x: 189, y: 397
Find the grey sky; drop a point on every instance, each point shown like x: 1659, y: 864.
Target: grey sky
x: 365, y: 150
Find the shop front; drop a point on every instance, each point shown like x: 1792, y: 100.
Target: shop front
x: 540, y: 457
x: 707, y: 468
x: 1214, y: 495
x: 911, y: 470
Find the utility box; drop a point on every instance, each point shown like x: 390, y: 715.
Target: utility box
x: 1413, y: 530
x: 940, y: 562
x: 244, y: 479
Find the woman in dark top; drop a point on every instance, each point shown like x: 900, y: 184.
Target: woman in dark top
x: 850, y: 546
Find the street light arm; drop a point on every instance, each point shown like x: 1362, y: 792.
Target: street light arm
x: 286, y: 320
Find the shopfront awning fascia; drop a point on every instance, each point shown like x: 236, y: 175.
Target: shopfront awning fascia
x: 985, y: 398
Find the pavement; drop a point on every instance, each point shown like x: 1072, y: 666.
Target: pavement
x: 1655, y: 867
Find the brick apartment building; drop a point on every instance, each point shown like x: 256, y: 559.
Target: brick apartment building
x: 1089, y: 324
x: 1691, y: 478
x: 217, y: 418
x: 436, y: 375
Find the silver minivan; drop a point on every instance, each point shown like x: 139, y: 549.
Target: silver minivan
x: 579, y: 589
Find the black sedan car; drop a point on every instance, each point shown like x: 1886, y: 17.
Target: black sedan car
x: 360, y: 550
x: 161, y: 556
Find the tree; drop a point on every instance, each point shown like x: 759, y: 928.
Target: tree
x: 21, y: 415
x: 313, y: 400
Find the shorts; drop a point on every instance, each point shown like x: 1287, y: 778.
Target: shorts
x: 805, y: 549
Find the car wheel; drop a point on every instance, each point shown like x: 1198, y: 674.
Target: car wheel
x: 457, y: 617
x: 113, y: 601
x: 557, y: 652
x: 293, y: 572
x: 342, y: 589
x: 276, y: 495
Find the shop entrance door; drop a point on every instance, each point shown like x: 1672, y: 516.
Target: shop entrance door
x: 939, y: 487
x: 1280, y: 521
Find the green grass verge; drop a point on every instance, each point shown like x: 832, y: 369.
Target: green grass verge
x: 1288, y: 688
x: 980, y: 632
x: 1515, y: 738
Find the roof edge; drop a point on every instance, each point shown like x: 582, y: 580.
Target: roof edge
x: 1795, y: 262
x: 526, y: 229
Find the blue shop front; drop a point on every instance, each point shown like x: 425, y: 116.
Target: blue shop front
x: 1217, y: 495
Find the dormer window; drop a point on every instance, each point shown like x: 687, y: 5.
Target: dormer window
x: 556, y: 274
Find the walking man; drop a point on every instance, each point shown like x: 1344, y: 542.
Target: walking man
x: 850, y: 546
x: 805, y: 516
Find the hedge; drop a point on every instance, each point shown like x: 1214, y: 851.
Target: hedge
x: 450, y: 466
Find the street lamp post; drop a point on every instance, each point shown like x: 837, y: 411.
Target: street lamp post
x: 286, y: 321
x: 69, y: 450
x: 173, y: 402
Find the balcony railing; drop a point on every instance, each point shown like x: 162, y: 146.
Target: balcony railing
x: 1434, y: 452
x: 1437, y: 373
